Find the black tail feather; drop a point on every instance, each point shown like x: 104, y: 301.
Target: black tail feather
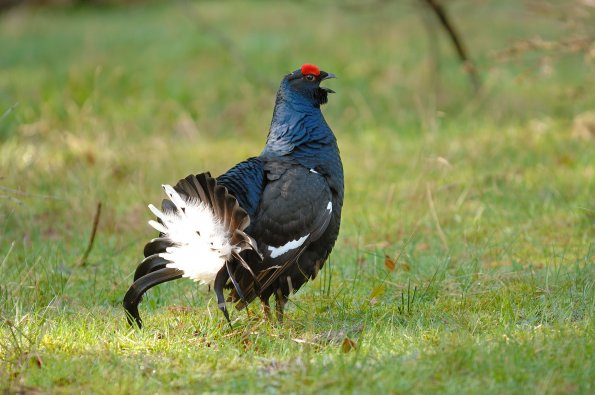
x: 156, y: 246
x: 150, y: 264
x: 234, y: 282
x: 153, y: 271
x: 142, y: 285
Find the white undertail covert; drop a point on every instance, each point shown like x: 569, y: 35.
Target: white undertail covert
x: 201, y: 243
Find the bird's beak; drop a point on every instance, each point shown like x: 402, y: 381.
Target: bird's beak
x: 327, y: 76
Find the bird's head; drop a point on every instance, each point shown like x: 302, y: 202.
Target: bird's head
x: 305, y: 83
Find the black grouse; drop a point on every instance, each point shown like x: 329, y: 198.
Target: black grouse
x: 267, y: 225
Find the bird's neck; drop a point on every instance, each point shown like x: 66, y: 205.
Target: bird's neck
x: 295, y: 123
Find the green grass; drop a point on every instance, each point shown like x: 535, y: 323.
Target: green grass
x: 486, y: 203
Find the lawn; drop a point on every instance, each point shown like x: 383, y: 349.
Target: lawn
x: 465, y: 262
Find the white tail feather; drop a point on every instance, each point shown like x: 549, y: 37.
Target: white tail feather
x: 174, y: 197
x: 156, y: 212
x: 202, y: 245
x: 157, y: 226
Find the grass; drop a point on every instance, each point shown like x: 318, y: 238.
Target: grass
x: 484, y: 204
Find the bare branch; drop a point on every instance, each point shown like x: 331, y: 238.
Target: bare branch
x: 570, y: 45
x: 457, y: 42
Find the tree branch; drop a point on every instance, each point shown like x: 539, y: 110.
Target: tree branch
x: 456, y: 41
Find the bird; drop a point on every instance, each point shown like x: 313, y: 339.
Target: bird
x: 267, y: 225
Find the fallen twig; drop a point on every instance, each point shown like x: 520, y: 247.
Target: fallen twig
x: 83, y: 260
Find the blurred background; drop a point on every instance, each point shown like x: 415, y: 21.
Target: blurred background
x: 102, y: 101
x: 467, y: 131
x: 533, y: 58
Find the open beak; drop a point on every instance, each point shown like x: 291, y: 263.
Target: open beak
x: 327, y: 76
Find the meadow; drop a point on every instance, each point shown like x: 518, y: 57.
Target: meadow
x: 465, y: 262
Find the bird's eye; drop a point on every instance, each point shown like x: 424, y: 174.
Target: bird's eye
x: 310, y: 77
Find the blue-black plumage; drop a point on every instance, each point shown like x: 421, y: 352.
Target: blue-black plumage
x: 291, y: 194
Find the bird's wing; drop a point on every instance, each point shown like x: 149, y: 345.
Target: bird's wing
x: 294, y: 211
x: 245, y: 182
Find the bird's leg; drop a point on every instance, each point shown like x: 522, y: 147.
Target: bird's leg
x: 266, y: 308
x: 220, y: 281
x: 280, y: 301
